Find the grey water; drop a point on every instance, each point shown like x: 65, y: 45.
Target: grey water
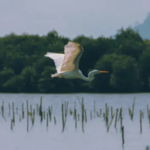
x: 95, y: 135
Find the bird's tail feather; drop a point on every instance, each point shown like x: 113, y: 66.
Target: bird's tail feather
x: 56, y: 75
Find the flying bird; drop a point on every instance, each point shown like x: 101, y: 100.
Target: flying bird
x: 67, y: 64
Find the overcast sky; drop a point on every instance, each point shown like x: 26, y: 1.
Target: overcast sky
x: 70, y: 17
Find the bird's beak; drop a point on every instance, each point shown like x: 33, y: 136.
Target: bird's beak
x: 104, y: 71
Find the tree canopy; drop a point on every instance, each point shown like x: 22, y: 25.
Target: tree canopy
x: 23, y: 67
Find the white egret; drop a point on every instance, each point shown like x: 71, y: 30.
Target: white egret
x: 67, y: 65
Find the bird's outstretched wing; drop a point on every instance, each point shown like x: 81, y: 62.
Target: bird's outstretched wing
x: 58, y: 59
x: 73, y: 52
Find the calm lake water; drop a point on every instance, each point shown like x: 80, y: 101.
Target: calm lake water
x: 95, y: 136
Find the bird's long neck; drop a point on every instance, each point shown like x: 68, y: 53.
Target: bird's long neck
x: 86, y: 78
x: 90, y: 76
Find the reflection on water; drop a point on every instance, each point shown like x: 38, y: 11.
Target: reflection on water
x: 48, y: 135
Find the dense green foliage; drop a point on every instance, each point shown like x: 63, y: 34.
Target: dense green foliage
x: 23, y: 67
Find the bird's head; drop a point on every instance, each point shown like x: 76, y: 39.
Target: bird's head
x: 94, y: 72
x: 99, y: 71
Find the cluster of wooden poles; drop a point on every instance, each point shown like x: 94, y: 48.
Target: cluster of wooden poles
x: 47, y: 115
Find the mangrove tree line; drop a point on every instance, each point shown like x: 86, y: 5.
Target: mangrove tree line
x: 23, y: 67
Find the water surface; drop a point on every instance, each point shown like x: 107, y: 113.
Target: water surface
x: 95, y: 136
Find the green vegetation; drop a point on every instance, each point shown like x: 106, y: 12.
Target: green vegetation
x: 23, y: 67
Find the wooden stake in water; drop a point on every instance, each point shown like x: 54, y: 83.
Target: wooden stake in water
x: 27, y: 116
x: 116, y: 117
x: 111, y: 111
x: 82, y: 115
x: 33, y: 117
x: 17, y: 110
x: 13, y: 118
x: 30, y: 108
x: 78, y: 117
x: 121, y: 119
x: 2, y: 108
x: 106, y: 121
x: 147, y: 109
x: 148, y: 113
x: 37, y: 108
x: 55, y: 120
x: 22, y: 110
x: 133, y: 108
x: 119, y: 114
x: 106, y: 115
x: 110, y: 122
x: 85, y: 116
x: 47, y: 120
x: 100, y: 112
x: 50, y: 112
x: 75, y: 118
x: 40, y: 111
x: 13, y: 113
x: 91, y: 115
x: 130, y: 113
x: 106, y: 111
x: 75, y: 114
x: 140, y: 121
x: 94, y: 109
x: 63, y: 120
x: 122, y: 131
x: 9, y: 108
x: 71, y: 112
x: 66, y: 111
x: 97, y: 114
x: 11, y: 124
